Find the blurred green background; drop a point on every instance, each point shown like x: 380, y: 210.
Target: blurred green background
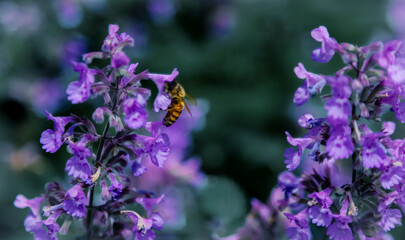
x: 236, y: 55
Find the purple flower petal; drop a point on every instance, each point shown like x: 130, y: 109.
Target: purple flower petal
x: 339, y: 144
x: 292, y: 159
x: 373, y: 152
x: 340, y: 230
x: 75, y: 202
x: 119, y: 59
x: 392, y: 176
x: 22, y: 202
x: 78, y: 168
x: 320, y: 216
x: 328, y: 45
x: 148, y: 203
x: 390, y: 218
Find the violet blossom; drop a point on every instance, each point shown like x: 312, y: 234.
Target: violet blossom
x: 350, y: 175
x: 104, y: 177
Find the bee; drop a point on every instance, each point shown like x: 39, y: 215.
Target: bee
x: 178, y: 95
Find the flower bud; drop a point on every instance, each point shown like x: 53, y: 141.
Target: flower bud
x: 357, y: 86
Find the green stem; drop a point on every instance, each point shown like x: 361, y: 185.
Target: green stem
x: 97, y: 164
x: 90, y: 208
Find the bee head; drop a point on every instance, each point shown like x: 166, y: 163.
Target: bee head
x: 170, y: 86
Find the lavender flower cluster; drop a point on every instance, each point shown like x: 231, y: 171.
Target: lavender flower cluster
x: 104, y: 168
x: 352, y: 176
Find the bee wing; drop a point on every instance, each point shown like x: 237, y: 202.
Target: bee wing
x: 190, y: 100
x: 188, y: 109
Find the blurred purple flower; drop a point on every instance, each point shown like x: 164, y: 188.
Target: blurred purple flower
x: 70, y: 13
x: 19, y: 19
x: 72, y: 50
x: 46, y: 95
x: 298, y: 226
x: 161, y: 11
x: 222, y: 20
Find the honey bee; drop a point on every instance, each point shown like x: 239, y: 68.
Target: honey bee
x: 178, y: 95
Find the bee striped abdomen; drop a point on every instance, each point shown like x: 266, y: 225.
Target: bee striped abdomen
x: 173, y: 111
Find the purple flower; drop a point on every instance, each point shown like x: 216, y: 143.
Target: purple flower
x: 300, y: 142
x: 338, y: 106
x: 78, y: 168
x: 142, y: 226
x: 312, y: 84
x: 394, y: 88
x: 88, y: 57
x: 33, y: 223
x: 129, y: 76
x: 115, y: 188
x: 52, y: 139
x: 98, y: 115
x: 322, y: 198
x: 305, y: 120
x: 22, y: 202
x: 340, y: 230
x: 391, y: 176
x: 292, y: 158
x: 135, y: 112
x: 160, y: 150
x: 396, y: 72
x: 155, y: 148
x: 386, y: 56
x: 119, y: 59
x: 328, y: 47
x: 298, y: 227
x: 51, y: 225
x: 115, y: 42
x: 389, y: 218
x: 291, y: 187
x: 79, y: 91
x: 373, y: 152
x: 397, y: 149
x: 320, y: 216
x: 288, y: 181
x: 388, y: 128
x: 157, y: 220
x: 261, y: 209
x: 339, y: 144
x: 138, y: 169
x: 75, y: 202
x: 301, y: 96
x: 148, y: 203
x: 162, y: 101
